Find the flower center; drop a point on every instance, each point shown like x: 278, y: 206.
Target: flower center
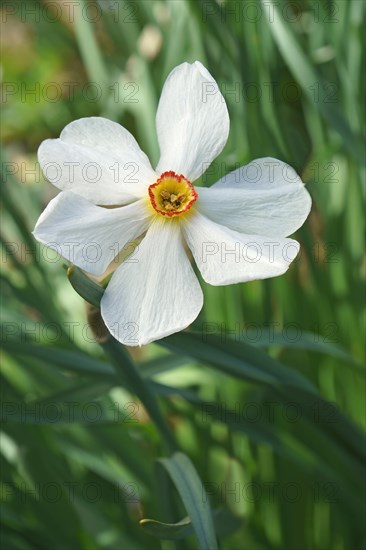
x: 172, y: 195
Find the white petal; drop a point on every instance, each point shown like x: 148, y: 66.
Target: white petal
x: 192, y: 121
x: 225, y: 256
x: 265, y: 197
x: 277, y: 212
x: 156, y: 292
x: 89, y: 236
x: 98, y: 159
x: 261, y: 173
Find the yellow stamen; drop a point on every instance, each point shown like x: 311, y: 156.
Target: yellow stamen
x: 172, y: 194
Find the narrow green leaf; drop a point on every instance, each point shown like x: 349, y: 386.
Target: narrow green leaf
x: 169, y: 531
x: 85, y: 287
x: 130, y: 376
x: 194, y: 497
x: 225, y: 523
x: 70, y: 360
x: 163, y: 364
x: 306, y: 340
x: 89, y: 48
x: 237, y: 359
x: 308, y: 77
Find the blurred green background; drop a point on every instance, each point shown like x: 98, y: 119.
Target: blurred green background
x: 78, y: 449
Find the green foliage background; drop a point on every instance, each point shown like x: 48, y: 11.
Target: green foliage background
x: 294, y: 453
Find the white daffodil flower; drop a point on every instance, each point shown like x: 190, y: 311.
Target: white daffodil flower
x: 236, y: 229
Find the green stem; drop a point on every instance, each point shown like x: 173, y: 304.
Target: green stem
x: 133, y: 381
x: 120, y: 359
